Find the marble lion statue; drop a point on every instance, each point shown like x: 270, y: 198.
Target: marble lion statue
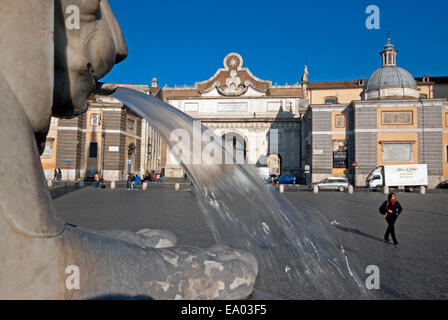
x: 47, y: 69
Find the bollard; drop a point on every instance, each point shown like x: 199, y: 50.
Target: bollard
x: 350, y: 189
x: 49, y: 183
x: 145, y: 185
x: 422, y: 190
x: 112, y: 184
x: 81, y: 184
x: 281, y: 188
x: 177, y: 187
x: 315, y: 189
x: 386, y: 190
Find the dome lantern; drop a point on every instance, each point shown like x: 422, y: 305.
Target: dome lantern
x: 389, y: 55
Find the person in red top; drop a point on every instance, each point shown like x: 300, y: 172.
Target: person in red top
x: 96, y: 179
x: 391, y: 209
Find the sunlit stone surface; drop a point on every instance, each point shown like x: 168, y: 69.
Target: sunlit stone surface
x: 46, y: 69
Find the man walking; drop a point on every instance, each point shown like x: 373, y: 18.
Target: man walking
x: 162, y: 175
x: 391, y: 209
x: 129, y: 180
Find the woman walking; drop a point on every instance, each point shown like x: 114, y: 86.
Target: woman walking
x: 391, y: 209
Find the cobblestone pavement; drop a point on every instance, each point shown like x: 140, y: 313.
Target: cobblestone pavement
x: 415, y: 269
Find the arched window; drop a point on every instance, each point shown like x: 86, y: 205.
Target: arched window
x: 331, y: 100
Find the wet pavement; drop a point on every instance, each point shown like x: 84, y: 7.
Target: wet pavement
x: 415, y: 269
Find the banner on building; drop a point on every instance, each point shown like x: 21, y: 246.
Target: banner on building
x: 340, y: 154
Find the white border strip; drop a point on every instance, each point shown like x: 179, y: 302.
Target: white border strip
x: 99, y: 131
x: 323, y: 109
x: 399, y: 130
x: 332, y: 132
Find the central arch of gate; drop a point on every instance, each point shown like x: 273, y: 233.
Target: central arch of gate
x: 236, y: 146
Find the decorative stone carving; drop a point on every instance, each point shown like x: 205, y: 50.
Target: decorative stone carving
x: 233, y: 80
x: 233, y: 86
x: 340, y: 121
x: 396, y: 117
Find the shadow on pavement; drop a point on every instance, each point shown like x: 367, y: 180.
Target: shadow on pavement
x: 358, y: 232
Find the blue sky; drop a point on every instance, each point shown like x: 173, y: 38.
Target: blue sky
x: 181, y: 42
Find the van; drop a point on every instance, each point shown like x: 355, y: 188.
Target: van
x: 400, y: 176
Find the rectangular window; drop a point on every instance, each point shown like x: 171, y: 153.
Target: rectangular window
x: 446, y: 153
x: 93, y: 150
x: 232, y: 106
x: 94, y: 120
x: 192, y: 107
x: 397, y: 152
x: 339, y: 121
x: 396, y: 117
x: 48, y: 152
x: 446, y: 119
x: 274, y: 106
x: 131, y: 125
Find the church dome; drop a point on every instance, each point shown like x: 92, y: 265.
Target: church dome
x: 390, y: 81
x: 390, y: 77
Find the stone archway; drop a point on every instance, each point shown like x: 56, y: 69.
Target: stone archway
x: 236, y: 144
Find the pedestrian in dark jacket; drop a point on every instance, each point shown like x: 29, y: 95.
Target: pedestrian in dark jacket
x: 391, y: 209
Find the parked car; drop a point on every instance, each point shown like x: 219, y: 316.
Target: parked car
x: 443, y: 185
x: 287, y: 179
x: 332, y: 183
x: 300, y: 177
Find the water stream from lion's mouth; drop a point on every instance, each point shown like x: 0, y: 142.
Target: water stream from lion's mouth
x: 298, y: 254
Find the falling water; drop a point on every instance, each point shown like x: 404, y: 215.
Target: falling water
x: 296, y: 250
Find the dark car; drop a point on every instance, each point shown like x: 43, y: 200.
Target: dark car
x: 443, y: 185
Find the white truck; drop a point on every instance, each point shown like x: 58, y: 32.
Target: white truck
x: 407, y: 176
